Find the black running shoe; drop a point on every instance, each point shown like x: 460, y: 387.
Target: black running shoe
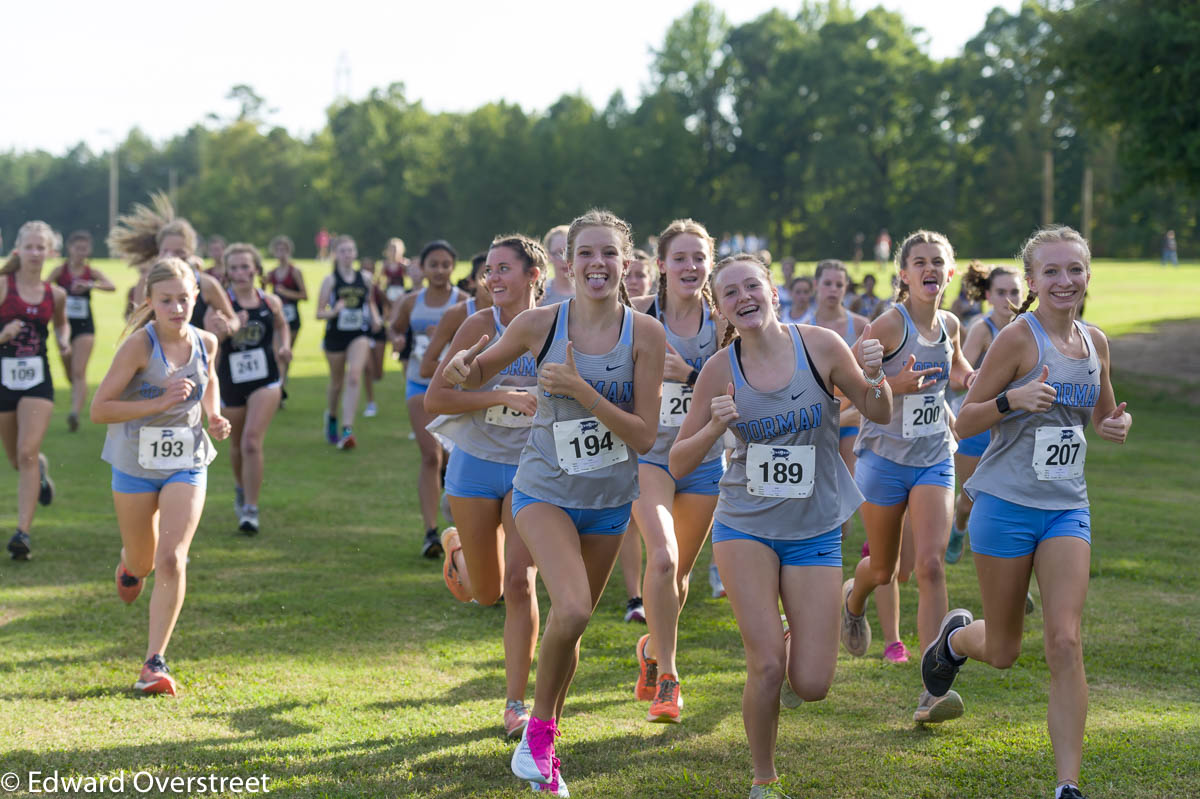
x: 18, y: 546
x: 432, y: 548
x: 46, y: 489
x: 1071, y: 792
x: 938, y: 667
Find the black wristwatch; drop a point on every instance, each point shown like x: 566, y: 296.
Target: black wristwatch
x: 1002, y: 402
x: 691, y: 379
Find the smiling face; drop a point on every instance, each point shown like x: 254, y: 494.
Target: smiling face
x: 436, y: 267
x: 507, y: 279
x: 1061, y: 273
x: 927, y: 271
x: 688, y: 265
x: 597, y: 263
x: 172, y: 301
x: 745, y: 295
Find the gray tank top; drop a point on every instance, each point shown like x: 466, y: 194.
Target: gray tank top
x: 810, y: 318
x: 1036, y: 459
x: 571, y: 459
x: 494, y: 434
x: 786, y: 479
x: 917, y: 434
x: 551, y: 296
x: 677, y: 397
x: 127, y: 448
x: 422, y: 322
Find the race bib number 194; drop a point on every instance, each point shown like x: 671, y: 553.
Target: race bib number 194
x: 584, y: 445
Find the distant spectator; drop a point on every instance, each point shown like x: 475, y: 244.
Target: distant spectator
x: 726, y: 245
x: 1170, y: 249
x: 322, y: 241
x: 867, y: 301
x: 883, y: 248
x: 860, y: 238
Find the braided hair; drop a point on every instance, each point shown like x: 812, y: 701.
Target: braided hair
x: 672, y: 231
x: 532, y: 253
x: 742, y: 257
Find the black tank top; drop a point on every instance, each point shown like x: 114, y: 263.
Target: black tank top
x: 240, y: 363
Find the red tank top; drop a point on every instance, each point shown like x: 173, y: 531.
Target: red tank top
x: 394, y: 274
x: 32, y: 338
x: 65, y: 278
x: 288, y: 281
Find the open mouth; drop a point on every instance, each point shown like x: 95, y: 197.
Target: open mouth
x: 596, y: 280
x: 747, y: 311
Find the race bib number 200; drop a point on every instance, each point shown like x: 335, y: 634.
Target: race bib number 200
x: 584, y: 445
x: 924, y: 415
x: 676, y: 400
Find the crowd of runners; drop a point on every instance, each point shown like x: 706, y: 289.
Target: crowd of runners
x: 576, y: 401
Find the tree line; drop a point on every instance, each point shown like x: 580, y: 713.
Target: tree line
x: 807, y: 129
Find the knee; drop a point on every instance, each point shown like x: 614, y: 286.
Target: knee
x: 518, y: 588
x: 882, y: 574
x: 1004, y: 655
x: 809, y: 688
x: 1064, y: 649
x: 139, y: 566
x: 930, y: 570
x: 352, y: 379
x: 682, y: 586
x: 767, y: 668
x: 251, y: 446
x: 431, y: 460
x: 571, y: 618
x: 169, y: 564
x: 662, y: 562
x: 27, y: 457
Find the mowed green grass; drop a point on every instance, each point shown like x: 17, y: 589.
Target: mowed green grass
x: 328, y: 656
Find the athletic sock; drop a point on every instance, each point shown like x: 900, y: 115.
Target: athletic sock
x: 950, y: 646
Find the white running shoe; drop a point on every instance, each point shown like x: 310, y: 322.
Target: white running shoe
x: 714, y: 580
x: 372, y: 410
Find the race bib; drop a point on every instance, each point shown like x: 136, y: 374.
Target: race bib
x: 249, y: 365
x: 924, y: 415
x: 350, y: 319
x: 420, y: 344
x: 676, y: 400
x: 504, y: 416
x: 1059, y: 453
x: 290, y: 314
x: 584, y: 445
x: 166, y: 448
x: 786, y: 472
x: 394, y: 293
x: 22, y: 374
x: 77, y: 307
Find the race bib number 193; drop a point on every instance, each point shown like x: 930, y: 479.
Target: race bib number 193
x: 166, y: 448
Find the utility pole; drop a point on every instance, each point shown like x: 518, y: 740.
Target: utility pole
x: 1087, y: 203
x: 172, y: 185
x: 1047, y: 188
x: 113, y: 174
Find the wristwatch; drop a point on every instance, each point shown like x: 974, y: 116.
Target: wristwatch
x: 1002, y: 402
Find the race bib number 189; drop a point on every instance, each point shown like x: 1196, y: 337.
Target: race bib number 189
x: 1059, y: 453
x: 166, y: 448
x: 584, y: 445
x: 786, y: 472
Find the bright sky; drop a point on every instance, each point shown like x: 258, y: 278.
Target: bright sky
x: 92, y: 70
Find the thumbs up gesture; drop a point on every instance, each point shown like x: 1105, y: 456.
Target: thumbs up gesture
x: 675, y: 367
x: 563, y: 378
x: 1035, y: 396
x: 869, y: 352
x: 1115, y: 426
x: 724, y: 408
x: 458, y: 368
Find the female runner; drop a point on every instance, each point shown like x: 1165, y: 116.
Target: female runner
x: 416, y: 317
x: 379, y: 341
x: 777, y: 532
x: 485, y: 558
x: 674, y: 513
x: 1001, y: 287
x: 1044, y: 376
x: 345, y: 303
x: 250, y: 376
x: 801, y: 292
x: 78, y: 279
x: 905, y: 464
x: 287, y: 281
x: 160, y: 381
x: 576, y: 480
x: 560, y: 286
x: 27, y: 306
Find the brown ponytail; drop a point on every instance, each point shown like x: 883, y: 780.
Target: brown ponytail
x: 532, y: 253
x: 976, y: 281
x: 165, y: 269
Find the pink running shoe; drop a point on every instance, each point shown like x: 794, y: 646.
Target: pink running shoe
x: 516, y: 716
x: 895, y: 652
x: 534, y: 758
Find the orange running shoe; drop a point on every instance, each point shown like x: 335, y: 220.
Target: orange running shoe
x: 450, y: 545
x: 128, y: 586
x: 667, y: 702
x: 647, y: 684
x: 155, y: 678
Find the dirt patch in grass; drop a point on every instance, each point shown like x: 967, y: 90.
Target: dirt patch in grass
x: 1167, y: 357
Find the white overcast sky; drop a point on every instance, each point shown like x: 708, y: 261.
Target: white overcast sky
x: 85, y: 70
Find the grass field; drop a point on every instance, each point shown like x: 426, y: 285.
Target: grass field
x: 326, y: 655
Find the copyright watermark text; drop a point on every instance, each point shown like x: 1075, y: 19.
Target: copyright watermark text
x: 143, y: 782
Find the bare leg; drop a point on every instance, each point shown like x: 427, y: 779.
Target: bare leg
x: 429, y: 481
x: 260, y: 410
x: 930, y: 507
x: 32, y: 419
x: 81, y: 353
x: 883, y: 523
x: 337, y: 376
x: 631, y: 560
x: 520, y: 609
x: 356, y: 360
x: 887, y: 597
